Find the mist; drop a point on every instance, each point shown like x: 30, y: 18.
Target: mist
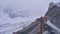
x: 35, y: 7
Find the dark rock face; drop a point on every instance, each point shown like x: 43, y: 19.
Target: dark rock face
x: 53, y: 14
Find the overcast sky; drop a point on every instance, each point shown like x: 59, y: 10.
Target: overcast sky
x: 34, y: 6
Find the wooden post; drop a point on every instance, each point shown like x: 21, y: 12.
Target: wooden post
x: 42, y: 20
x: 41, y: 28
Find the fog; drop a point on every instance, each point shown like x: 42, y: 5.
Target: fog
x: 35, y: 7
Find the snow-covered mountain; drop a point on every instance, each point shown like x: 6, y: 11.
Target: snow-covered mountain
x: 52, y: 26
x: 17, y: 14
x: 11, y: 21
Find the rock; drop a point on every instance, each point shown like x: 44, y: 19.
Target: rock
x: 53, y: 15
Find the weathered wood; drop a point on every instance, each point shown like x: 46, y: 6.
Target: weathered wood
x: 41, y: 28
x: 42, y: 21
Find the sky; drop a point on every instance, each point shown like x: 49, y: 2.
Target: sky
x: 35, y: 7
